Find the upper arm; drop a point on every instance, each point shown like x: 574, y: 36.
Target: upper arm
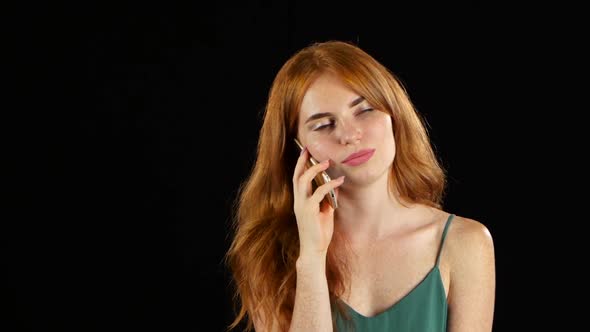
x: 472, y: 285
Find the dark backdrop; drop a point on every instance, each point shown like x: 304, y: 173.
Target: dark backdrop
x: 130, y: 128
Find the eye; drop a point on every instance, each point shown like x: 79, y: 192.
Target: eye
x: 324, y: 125
x: 365, y: 111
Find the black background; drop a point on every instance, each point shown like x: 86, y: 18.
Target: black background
x: 128, y: 129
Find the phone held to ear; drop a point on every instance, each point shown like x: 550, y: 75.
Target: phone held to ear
x: 320, y: 179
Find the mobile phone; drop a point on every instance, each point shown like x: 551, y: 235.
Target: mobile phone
x: 320, y: 179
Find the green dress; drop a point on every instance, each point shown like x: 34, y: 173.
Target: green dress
x: 424, y: 309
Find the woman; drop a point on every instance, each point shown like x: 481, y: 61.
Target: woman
x: 387, y: 256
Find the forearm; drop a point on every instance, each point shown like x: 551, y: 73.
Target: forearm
x: 312, y: 310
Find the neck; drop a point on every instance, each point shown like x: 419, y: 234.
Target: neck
x: 368, y: 212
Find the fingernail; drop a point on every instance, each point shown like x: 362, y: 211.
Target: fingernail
x: 304, y: 149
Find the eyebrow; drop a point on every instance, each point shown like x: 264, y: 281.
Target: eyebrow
x: 324, y: 114
x: 357, y: 101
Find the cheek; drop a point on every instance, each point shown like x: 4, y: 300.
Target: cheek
x: 318, y: 150
x: 382, y: 131
x: 385, y: 128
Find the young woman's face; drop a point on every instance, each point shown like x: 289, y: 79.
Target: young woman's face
x: 335, y: 122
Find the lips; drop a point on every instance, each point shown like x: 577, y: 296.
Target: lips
x: 359, y: 157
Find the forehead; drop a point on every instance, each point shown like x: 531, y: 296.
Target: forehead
x: 327, y: 93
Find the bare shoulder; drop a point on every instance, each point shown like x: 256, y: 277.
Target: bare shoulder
x: 471, y: 275
x: 470, y: 230
x: 468, y: 240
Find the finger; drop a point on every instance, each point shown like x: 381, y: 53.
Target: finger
x: 324, y: 189
x: 313, y: 171
x: 300, y: 165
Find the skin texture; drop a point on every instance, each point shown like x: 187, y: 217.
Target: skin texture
x: 393, y: 244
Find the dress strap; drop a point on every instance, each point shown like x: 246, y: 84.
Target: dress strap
x: 444, y: 234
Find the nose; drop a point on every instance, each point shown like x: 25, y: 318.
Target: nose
x: 349, y: 133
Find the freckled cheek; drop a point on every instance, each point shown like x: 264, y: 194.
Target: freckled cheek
x: 381, y: 129
x: 318, y: 151
x: 322, y: 151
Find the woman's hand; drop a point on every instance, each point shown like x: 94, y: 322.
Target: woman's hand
x: 315, y: 216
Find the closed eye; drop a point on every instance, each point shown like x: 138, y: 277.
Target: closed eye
x: 324, y: 125
x: 365, y: 111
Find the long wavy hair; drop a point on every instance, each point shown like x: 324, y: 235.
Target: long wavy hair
x: 265, y: 242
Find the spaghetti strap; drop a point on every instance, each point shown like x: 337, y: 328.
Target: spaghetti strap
x: 444, y: 234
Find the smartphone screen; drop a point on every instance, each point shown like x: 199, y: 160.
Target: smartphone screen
x: 320, y: 179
